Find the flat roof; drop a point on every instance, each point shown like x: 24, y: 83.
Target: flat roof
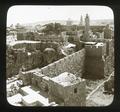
x: 36, y: 70
x: 70, y: 45
x: 13, y: 100
x: 100, y: 44
x: 46, y: 78
x: 33, y: 96
x: 38, y: 74
x: 23, y: 41
x: 66, y: 79
x: 97, y: 44
x: 88, y: 43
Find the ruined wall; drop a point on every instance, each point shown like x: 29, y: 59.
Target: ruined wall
x: 44, y: 45
x: 73, y: 63
x: 16, y: 58
x: 34, y: 60
x: 27, y: 46
x: 31, y: 46
x: 29, y: 55
x: 11, y: 67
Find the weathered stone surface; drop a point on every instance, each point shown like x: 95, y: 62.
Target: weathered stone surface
x: 94, y: 68
x: 71, y: 64
x: 17, y: 58
x: 30, y: 54
x: 99, y: 60
x: 68, y: 90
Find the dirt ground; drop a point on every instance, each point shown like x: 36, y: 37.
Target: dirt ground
x: 100, y: 99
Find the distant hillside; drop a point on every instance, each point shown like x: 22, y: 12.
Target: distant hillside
x: 63, y: 22
x: 102, y: 22
x: 45, y: 22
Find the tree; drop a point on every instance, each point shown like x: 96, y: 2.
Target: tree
x: 74, y: 27
x: 53, y: 28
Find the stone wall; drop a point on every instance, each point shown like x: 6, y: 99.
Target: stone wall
x: 78, y: 98
x: 25, y: 36
x: 94, y: 68
x: 31, y: 46
x: 67, y: 95
x: 38, y: 37
x: 109, y: 65
x: 73, y: 63
x: 99, y: 61
x: 94, y: 61
x: 18, y: 58
x: 56, y: 92
x: 29, y: 55
x: 95, y: 51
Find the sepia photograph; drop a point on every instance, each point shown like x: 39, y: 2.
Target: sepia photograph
x: 60, y: 55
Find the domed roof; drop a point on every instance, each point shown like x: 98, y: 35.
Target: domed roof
x: 49, y: 49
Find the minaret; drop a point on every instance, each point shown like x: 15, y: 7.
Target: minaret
x: 81, y: 21
x: 87, y: 27
x: 87, y: 23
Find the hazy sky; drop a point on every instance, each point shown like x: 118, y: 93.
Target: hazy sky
x: 28, y: 14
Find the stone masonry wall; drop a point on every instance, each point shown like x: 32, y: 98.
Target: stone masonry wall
x: 18, y: 58
x: 73, y: 63
x: 36, y: 46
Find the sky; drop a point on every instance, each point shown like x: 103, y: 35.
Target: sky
x: 30, y: 14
